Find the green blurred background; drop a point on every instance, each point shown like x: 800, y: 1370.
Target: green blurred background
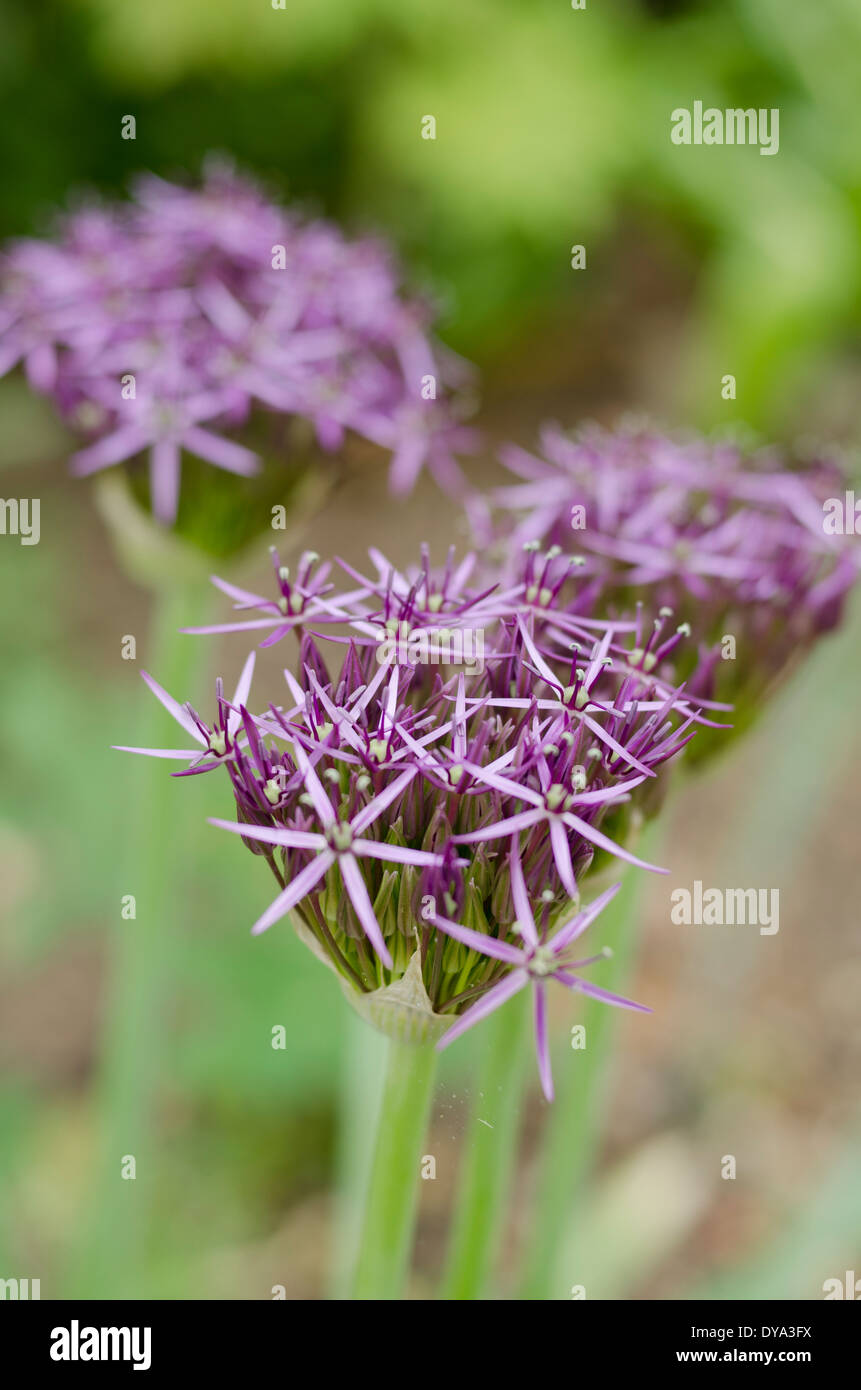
x: 552, y: 130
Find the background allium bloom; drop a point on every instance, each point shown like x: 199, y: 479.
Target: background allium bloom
x: 423, y: 819
x: 215, y: 300
x: 733, y: 544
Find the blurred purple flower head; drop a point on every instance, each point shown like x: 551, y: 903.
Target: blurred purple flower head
x: 157, y: 325
x: 417, y: 817
x: 733, y: 544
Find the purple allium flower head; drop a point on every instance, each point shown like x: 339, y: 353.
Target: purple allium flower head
x: 156, y: 326
x: 731, y: 544
x: 422, y: 810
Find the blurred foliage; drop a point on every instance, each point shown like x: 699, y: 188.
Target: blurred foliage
x: 552, y: 129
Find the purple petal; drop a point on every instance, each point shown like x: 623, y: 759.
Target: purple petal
x: 294, y: 892
x: 562, y: 857
x: 511, y: 985
x: 164, y: 472
x: 543, y: 669
x: 177, y: 753
x: 314, y: 787
x: 243, y: 597
x: 525, y: 919
x: 355, y: 886
x: 375, y: 808
x: 273, y: 835
x: 406, y: 465
x: 502, y: 784
x: 595, y: 992
x: 616, y: 792
x: 513, y: 825
x: 234, y: 458
x: 240, y: 697
x: 42, y: 368
x: 569, y: 931
x: 395, y: 854
x: 182, y: 717
x: 478, y: 941
x: 618, y: 748
x: 604, y: 842
x: 114, y: 448
x: 248, y: 626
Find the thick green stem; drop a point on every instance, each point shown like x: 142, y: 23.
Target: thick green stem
x: 392, y: 1200
x: 572, y: 1130
x: 359, y: 1099
x: 150, y: 815
x: 488, y: 1163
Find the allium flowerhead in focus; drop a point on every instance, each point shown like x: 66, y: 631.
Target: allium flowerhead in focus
x: 732, y: 542
x: 157, y: 326
x: 452, y: 775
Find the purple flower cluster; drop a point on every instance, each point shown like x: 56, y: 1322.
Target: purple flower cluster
x: 734, y: 544
x: 156, y: 326
x: 433, y: 810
